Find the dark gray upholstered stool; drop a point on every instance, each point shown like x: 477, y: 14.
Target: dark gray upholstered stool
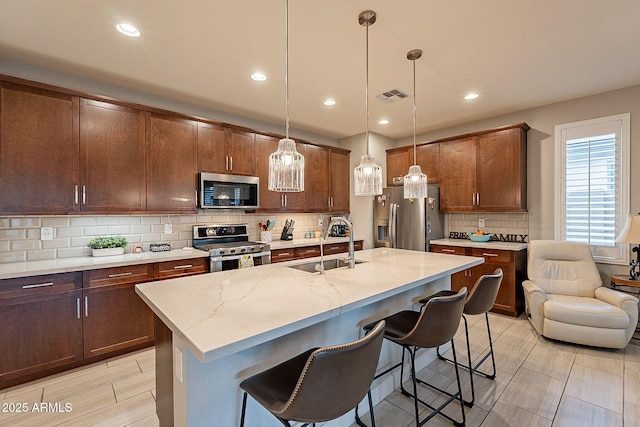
x: 480, y: 300
x: 319, y: 385
x: 434, y: 326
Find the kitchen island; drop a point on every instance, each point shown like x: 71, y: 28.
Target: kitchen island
x: 216, y: 329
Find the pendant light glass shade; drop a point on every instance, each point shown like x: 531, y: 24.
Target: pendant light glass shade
x: 367, y: 176
x: 286, y: 168
x: 286, y: 165
x: 415, y: 182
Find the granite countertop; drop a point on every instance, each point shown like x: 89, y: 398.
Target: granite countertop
x: 492, y: 244
x: 296, y: 243
x: 219, y: 314
x: 63, y: 265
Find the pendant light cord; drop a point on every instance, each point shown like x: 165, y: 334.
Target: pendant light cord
x: 366, y: 88
x: 286, y: 67
x: 414, y: 112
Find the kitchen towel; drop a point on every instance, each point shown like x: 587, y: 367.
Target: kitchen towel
x: 245, y: 261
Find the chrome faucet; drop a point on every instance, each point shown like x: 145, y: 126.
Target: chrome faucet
x: 351, y: 258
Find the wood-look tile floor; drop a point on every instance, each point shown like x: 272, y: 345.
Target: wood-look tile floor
x: 539, y: 383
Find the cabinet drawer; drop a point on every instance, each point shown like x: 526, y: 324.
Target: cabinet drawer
x: 38, y: 285
x: 451, y: 250
x: 336, y: 248
x: 279, y: 255
x: 308, y: 251
x: 357, y: 245
x: 118, y: 275
x: 180, y: 268
x: 492, y: 255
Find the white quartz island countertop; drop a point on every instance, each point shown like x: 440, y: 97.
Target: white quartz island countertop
x: 222, y: 313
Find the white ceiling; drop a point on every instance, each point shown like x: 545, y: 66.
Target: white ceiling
x: 515, y: 53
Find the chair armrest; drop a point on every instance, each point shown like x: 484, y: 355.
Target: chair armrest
x: 534, y: 297
x: 614, y: 297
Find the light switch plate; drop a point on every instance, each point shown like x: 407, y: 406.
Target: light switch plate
x: 168, y: 228
x: 46, y: 233
x: 481, y: 223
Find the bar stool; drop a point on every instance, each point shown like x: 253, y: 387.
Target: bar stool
x: 480, y: 301
x: 320, y: 384
x: 431, y: 327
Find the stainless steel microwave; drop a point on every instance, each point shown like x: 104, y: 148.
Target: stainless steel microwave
x: 221, y: 191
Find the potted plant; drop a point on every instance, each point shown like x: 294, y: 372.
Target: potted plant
x: 109, y: 245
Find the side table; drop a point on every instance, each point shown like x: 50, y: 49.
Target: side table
x: 624, y: 284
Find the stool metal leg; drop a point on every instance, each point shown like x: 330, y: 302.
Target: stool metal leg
x: 371, y: 414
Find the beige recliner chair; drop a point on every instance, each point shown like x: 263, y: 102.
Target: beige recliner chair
x: 565, y: 299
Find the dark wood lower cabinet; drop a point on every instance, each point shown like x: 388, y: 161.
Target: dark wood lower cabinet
x: 510, y: 298
x: 312, y: 250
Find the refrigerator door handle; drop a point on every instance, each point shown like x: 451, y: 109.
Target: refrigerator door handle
x: 393, y: 226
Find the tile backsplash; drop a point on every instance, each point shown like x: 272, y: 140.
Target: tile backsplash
x: 498, y: 223
x: 20, y: 235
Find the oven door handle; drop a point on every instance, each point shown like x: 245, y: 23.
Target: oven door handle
x: 232, y: 257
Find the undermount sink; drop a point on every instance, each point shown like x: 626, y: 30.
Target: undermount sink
x: 329, y: 264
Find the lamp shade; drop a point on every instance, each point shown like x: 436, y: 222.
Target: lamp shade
x: 367, y: 177
x: 415, y: 183
x: 631, y: 231
x: 286, y: 168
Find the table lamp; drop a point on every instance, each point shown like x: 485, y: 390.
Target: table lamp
x: 631, y: 234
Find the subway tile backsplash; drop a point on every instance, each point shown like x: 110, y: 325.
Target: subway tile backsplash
x: 20, y: 235
x: 498, y: 223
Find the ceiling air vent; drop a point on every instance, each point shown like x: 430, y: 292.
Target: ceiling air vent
x: 392, y: 95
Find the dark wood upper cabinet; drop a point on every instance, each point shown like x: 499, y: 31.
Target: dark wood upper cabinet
x: 39, y: 164
x: 171, y: 153
x: 398, y: 162
x: 274, y: 201
x: 112, y: 157
x: 225, y: 150
x: 458, y: 175
x: 316, y: 178
x: 428, y: 157
x: 339, y: 174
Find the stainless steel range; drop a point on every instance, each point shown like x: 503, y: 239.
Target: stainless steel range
x: 229, y: 246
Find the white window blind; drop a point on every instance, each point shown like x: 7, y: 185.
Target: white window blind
x: 592, y: 184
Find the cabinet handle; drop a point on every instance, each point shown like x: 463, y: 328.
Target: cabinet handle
x: 484, y: 254
x: 285, y: 200
x: 39, y: 285
x: 477, y: 199
x: 334, y: 248
x: 231, y: 162
x: 78, y: 307
x: 75, y: 194
x: 226, y: 163
x: 86, y: 306
x: 84, y: 195
x: 283, y: 254
x: 183, y: 266
x: 310, y: 251
x: 128, y: 273
x: 448, y: 250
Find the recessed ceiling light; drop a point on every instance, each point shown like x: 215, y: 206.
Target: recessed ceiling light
x: 471, y: 96
x: 383, y: 122
x: 329, y: 101
x: 258, y: 76
x: 128, y: 29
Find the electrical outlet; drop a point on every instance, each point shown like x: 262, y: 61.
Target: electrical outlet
x: 46, y: 233
x: 481, y: 223
x: 319, y: 222
x: 168, y: 228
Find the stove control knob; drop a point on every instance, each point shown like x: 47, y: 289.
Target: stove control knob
x: 243, y: 250
x: 232, y: 251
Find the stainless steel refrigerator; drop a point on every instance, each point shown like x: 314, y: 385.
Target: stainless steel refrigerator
x: 408, y: 223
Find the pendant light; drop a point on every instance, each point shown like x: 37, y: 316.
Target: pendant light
x: 286, y: 165
x: 367, y: 176
x: 415, y: 182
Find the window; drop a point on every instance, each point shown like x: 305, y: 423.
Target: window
x: 592, y: 184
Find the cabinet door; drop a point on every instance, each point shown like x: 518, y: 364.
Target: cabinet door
x: 339, y: 174
x: 316, y: 178
x: 111, y: 157
x: 39, y: 163
x: 39, y: 333
x: 428, y: 158
x: 242, y: 160
x: 114, y: 318
x: 501, y: 171
x: 506, y: 299
x: 212, y: 156
x: 458, y: 175
x: 458, y: 280
x: 171, y: 164
x: 274, y: 201
x: 398, y: 162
